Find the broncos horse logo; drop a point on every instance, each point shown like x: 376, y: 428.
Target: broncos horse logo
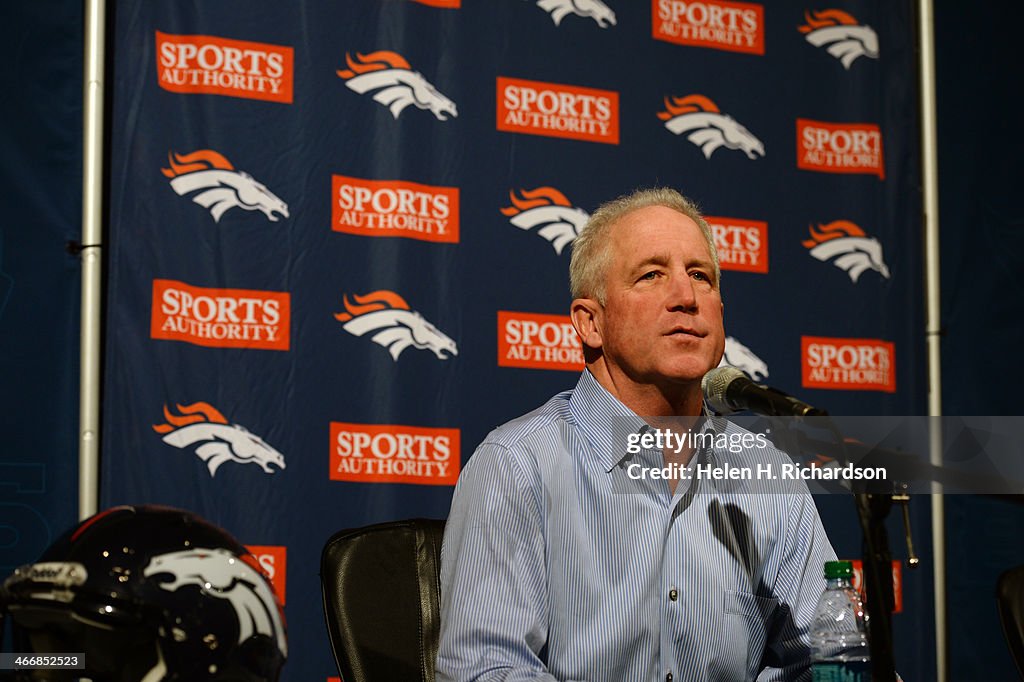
x: 595, y: 9
x: 707, y: 127
x: 387, y: 317
x: 739, y: 356
x: 220, y: 442
x: 841, y: 35
x: 221, y: 574
x: 220, y: 186
x: 853, y: 251
x: 396, y: 84
x: 545, y: 207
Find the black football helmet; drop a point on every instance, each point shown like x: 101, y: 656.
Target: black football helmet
x: 148, y: 593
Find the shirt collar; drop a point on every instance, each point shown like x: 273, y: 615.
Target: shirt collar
x: 606, y: 422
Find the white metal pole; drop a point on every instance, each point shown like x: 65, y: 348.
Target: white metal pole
x: 930, y: 179
x: 92, y: 234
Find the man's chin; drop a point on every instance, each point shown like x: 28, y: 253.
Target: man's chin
x: 686, y: 373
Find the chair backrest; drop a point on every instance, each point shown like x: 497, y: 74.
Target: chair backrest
x: 381, y: 588
x: 1010, y: 598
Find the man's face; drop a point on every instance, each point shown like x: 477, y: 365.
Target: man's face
x: 662, y: 317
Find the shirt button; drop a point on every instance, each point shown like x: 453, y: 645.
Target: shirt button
x: 673, y: 594
x: 668, y: 678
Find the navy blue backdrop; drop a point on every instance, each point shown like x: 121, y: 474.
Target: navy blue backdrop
x: 40, y: 171
x: 338, y: 240
x: 981, y: 303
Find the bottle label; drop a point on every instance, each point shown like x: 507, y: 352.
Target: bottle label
x: 848, y: 671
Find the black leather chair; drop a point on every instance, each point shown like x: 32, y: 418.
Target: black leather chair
x: 1010, y: 597
x: 381, y: 600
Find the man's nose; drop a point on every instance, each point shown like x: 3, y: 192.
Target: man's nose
x: 682, y: 294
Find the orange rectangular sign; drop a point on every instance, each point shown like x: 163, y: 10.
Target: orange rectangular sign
x: 718, y: 24
x: 213, y: 65
x: 220, y: 318
x: 273, y: 560
x: 394, y: 453
x: 555, y: 110
x: 897, y: 582
x: 742, y: 244
x: 849, y: 364
x: 839, y: 147
x: 394, y: 208
x: 538, y: 341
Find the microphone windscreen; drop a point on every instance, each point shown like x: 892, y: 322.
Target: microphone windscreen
x: 715, y: 384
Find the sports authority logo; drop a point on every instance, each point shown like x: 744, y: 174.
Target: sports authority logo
x: 848, y: 247
x: 839, y: 147
x: 840, y: 34
x: 718, y: 24
x: 222, y: 66
x: 220, y: 318
x: 386, y: 317
x: 273, y: 563
x: 547, y: 211
x: 742, y: 244
x: 538, y: 341
x: 707, y: 127
x: 555, y: 110
x: 739, y: 356
x: 592, y: 9
x: 219, y: 186
x: 446, y: 4
x: 394, y: 208
x: 218, y: 441
x: 849, y: 364
x: 394, y: 84
x: 393, y: 453
x: 220, y: 574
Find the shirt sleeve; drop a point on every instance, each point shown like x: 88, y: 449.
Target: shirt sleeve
x: 800, y: 582
x: 494, y: 604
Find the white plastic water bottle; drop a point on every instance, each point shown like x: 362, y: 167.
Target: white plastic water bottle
x: 838, y: 633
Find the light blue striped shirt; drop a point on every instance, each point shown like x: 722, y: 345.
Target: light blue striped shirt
x: 556, y: 565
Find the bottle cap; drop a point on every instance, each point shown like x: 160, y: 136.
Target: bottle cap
x: 838, y: 569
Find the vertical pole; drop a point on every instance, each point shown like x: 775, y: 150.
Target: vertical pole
x: 930, y: 179
x: 92, y: 235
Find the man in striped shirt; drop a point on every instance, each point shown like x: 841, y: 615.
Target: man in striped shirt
x: 564, y: 560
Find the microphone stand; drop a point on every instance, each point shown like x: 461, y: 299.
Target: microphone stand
x: 876, y: 558
x: 872, y: 510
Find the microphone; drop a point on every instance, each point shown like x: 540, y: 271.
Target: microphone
x: 728, y: 390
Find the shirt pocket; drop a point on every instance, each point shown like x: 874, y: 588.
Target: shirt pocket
x: 749, y: 618
x: 750, y: 605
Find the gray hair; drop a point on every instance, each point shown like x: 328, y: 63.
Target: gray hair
x: 591, y: 251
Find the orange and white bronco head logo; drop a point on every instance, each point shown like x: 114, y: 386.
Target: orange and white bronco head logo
x: 594, y: 9
x: 840, y: 34
x: 395, y: 84
x: 387, y: 318
x: 219, y: 442
x: 219, y: 186
x: 707, y: 127
x: 547, y: 210
x: 848, y: 247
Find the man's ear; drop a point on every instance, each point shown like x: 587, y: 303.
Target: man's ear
x: 587, y: 318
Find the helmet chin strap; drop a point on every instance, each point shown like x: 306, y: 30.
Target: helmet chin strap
x: 158, y: 671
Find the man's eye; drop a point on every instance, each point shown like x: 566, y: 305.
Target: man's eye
x: 700, y: 275
x: 649, y: 275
